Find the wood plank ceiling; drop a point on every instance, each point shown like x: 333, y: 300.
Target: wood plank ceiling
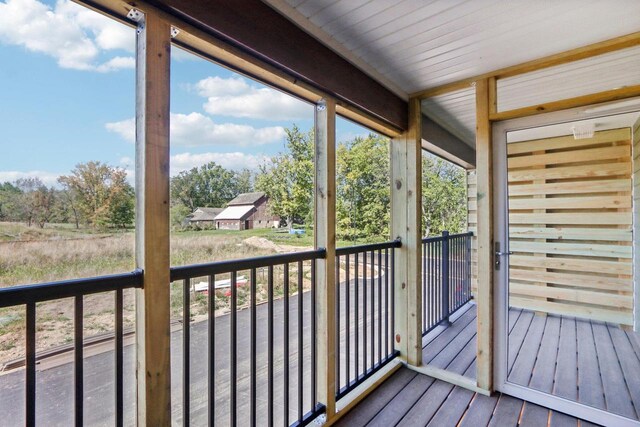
x: 412, y: 45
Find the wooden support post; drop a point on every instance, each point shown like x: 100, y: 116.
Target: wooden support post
x: 325, y: 237
x: 152, y: 221
x: 406, y: 224
x: 484, y: 297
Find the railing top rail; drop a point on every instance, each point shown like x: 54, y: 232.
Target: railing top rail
x: 228, y: 266
x: 439, y: 238
x: 19, y: 295
x: 348, y: 250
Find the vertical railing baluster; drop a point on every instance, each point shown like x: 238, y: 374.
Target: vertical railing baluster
x: 393, y: 298
x: 30, y: 365
x: 387, y: 272
x: 314, y: 373
x: 186, y: 351
x: 425, y: 295
x: 78, y: 363
x: 445, y: 276
x: 348, y: 323
x: 211, y: 332
x: 364, y: 312
x: 372, y: 317
x: 119, y: 358
x: 356, y: 320
x: 233, y: 349
x: 338, y: 333
x: 254, y: 371
x: 286, y: 344
x: 300, y: 342
x: 380, y: 336
x: 271, y: 396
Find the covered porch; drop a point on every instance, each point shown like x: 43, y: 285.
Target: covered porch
x: 415, y: 330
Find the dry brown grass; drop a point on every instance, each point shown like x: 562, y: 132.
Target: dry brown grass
x: 37, y: 261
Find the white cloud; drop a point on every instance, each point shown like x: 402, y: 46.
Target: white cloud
x: 196, y: 129
x: 125, y: 128
x: 235, y: 97
x: 72, y: 34
x: 237, y: 160
x: 47, y: 178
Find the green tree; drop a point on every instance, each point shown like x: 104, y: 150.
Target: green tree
x: 210, y: 185
x: 444, y: 196
x: 9, y: 202
x: 35, y: 203
x: 363, y: 190
x: 102, y: 194
x: 287, y: 178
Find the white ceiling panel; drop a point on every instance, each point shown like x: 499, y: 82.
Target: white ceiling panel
x: 456, y: 112
x: 410, y: 45
x: 597, y: 74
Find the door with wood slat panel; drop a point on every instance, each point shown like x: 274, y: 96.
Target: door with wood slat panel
x: 565, y: 246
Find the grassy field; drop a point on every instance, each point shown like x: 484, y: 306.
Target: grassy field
x: 59, y: 252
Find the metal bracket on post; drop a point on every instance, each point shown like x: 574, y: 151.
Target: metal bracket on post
x: 446, y: 288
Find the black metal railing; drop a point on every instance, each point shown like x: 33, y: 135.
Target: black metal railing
x: 31, y: 295
x: 260, y: 363
x: 446, y: 277
x: 364, y: 312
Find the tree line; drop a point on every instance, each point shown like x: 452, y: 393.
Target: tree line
x: 93, y: 194
x: 98, y: 195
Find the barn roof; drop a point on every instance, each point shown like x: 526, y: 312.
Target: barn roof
x: 246, y: 199
x: 205, y: 214
x: 235, y: 212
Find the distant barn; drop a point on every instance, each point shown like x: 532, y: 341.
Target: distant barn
x: 246, y: 211
x: 204, y: 216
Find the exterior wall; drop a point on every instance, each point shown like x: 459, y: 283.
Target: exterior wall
x: 230, y: 225
x: 261, y: 217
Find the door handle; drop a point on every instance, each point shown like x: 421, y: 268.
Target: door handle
x: 498, y: 253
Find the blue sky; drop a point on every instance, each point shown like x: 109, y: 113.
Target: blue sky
x: 67, y: 96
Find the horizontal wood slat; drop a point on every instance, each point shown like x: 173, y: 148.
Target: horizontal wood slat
x: 567, y: 172
x: 572, y: 279
x: 572, y: 264
x: 601, y: 186
x: 568, y: 141
x: 605, y: 153
x: 579, y: 218
x: 604, y: 315
x: 571, y: 295
x: 590, y: 202
x: 583, y: 249
x: 570, y: 233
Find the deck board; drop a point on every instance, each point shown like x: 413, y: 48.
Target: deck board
x: 567, y: 364
x: 525, y: 360
x: 404, y: 400
x: 480, y: 411
x: 534, y: 415
x: 378, y: 400
x: 616, y: 393
x: 545, y: 365
x: 428, y: 404
x: 590, y: 390
x: 629, y: 363
x: 453, y: 408
x: 553, y: 354
x: 507, y: 412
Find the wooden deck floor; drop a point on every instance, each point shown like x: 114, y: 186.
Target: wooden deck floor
x: 587, y: 361
x: 411, y: 399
